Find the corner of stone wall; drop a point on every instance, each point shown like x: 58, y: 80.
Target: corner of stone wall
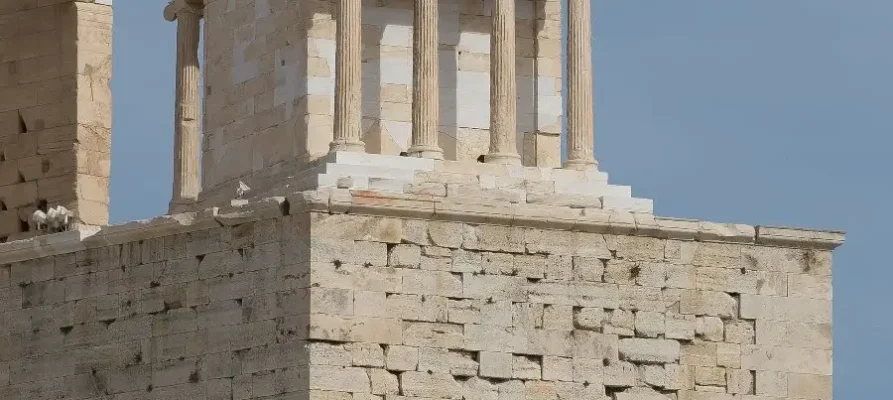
x: 55, y: 112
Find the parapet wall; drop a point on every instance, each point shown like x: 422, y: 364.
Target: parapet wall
x: 55, y: 111
x: 339, y: 294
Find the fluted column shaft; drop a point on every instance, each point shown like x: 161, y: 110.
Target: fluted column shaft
x: 348, y: 84
x: 580, y: 109
x: 503, y: 90
x: 425, y: 82
x: 187, y: 169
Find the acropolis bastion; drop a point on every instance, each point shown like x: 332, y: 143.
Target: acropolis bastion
x: 372, y: 200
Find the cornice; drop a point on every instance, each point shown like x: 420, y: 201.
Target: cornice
x: 363, y: 202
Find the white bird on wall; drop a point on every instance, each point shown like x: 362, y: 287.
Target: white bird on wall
x: 39, y: 219
x: 243, y: 188
x: 58, y: 219
x: 52, y: 215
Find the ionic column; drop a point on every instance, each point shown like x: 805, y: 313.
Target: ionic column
x: 579, y: 103
x: 425, y: 94
x: 187, y: 108
x: 348, y: 68
x: 503, y: 90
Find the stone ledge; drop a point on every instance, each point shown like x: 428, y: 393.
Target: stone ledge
x: 473, y: 211
x: 46, y: 245
x: 796, y: 237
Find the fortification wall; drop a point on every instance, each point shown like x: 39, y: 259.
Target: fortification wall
x: 358, y: 295
x: 270, y: 77
x: 55, y: 110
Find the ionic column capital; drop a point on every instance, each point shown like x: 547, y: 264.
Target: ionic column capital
x: 175, y: 8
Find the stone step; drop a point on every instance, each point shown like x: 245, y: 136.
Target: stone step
x: 379, y: 160
x: 595, y: 190
x: 393, y: 174
x: 388, y: 185
x: 631, y: 204
x: 370, y: 171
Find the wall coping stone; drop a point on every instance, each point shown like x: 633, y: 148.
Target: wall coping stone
x: 414, y: 206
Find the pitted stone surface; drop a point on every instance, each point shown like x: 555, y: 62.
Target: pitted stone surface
x: 295, y: 298
x: 344, y: 275
x: 55, y: 112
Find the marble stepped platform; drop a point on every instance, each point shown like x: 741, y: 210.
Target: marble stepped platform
x: 474, y: 183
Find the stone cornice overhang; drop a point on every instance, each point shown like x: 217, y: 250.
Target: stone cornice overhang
x: 342, y: 201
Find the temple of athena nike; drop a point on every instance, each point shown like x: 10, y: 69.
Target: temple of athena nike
x: 371, y: 201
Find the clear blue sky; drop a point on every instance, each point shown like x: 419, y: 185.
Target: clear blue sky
x: 760, y: 112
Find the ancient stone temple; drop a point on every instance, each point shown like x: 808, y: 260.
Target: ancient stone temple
x: 370, y: 201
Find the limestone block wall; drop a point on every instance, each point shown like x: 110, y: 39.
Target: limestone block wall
x: 442, y: 310
x: 212, y: 313
x: 55, y: 110
x: 269, y: 75
x: 297, y: 300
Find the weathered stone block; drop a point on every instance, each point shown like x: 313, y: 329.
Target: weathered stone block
x: 680, y: 327
x: 772, y: 383
x: 793, y: 334
x: 495, y: 364
x: 698, y: 354
x: 650, y: 324
x: 740, y: 381
x: 739, y: 331
x: 436, y: 283
x: 370, y: 304
x: 339, y: 379
x: 589, y: 318
x: 383, y: 382
x: 715, y: 304
x: 680, y: 377
x: 526, y: 367
x: 620, y: 374
x: 786, y: 309
x: 728, y: 355
x: 433, y: 335
x: 710, y: 376
x: 710, y: 329
x: 649, y: 350
x: 640, y: 394
x: 595, y: 345
x: 401, y: 358
x: 405, y: 255
x: 366, y: 354
x: 491, y: 287
x: 783, y: 359
x: 621, y: 323
x: 558, y: 368
x: 588, y: 269
x: 558, y: 317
